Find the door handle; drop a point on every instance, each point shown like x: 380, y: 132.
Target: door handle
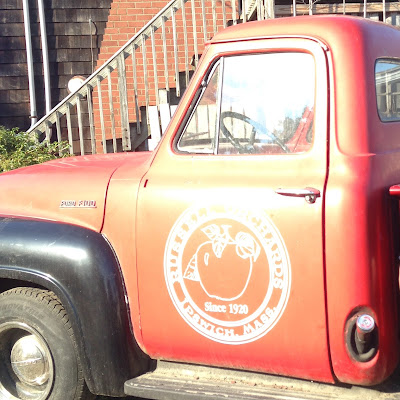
x: 310, y: 194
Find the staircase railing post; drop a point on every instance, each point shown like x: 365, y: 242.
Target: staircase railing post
x: 111, y: 105
x: 69, y: 129
x: 185, y: 43
x: 384, y: 10
x: 80, y: 124
x: 233, y: 3
x: 175, y: 40
x: 101, y: 112
x: 135, y: 89
x: 91, y: 119
x: 58, y: 128
x: 270, y: 8
x: 203, y: 12
x: 123, y: 102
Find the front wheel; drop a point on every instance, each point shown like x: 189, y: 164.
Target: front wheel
x: 38, y: 352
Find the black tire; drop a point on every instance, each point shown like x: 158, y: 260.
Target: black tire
x: 38, y: 352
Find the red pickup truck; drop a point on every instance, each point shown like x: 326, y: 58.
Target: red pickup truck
x: 261, y: 237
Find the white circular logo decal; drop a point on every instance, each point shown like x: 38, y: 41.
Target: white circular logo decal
x: 228, y: 272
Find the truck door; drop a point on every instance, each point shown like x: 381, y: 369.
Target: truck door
x: 230, y: 215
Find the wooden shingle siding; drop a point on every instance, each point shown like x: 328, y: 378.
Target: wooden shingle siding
x: 11, y: 29
x: 69, y: 41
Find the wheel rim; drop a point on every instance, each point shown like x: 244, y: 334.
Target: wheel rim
x: 26, y: 365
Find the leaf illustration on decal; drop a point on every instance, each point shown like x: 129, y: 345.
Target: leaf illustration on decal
x: 219, y: 239
x: 191, y: 272
x: 246, y: 246
x: 212, y: 231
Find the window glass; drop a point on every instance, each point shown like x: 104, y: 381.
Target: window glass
x: 267, y: 104
x: 387, y: 81
x: 262, y: 104
x: 199, y: 134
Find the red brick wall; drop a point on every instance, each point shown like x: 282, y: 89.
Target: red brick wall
x: 125, y: 19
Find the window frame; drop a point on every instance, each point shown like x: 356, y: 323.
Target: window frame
x: 193, y: 106
x: 202, y: 87
x: 389, y: 60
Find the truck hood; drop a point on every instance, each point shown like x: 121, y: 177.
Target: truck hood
x: 71, y: 190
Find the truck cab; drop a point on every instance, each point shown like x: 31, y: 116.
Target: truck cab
x: 276, y: 225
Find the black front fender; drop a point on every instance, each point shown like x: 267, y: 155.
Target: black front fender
x: 80, y: 267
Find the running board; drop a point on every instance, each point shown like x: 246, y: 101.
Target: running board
x: 174, y: 381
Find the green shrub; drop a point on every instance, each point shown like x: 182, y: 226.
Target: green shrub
x: 20, y: 149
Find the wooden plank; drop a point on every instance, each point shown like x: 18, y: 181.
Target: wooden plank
x: 270, y: 8
x: 165, y: 116
x: 173, y: 109
x: 13, y: 82
x: 12, y: 29
x: 14, y: 110
x: 15, y: 43
x: 205, y: 120
x: 11, y: 16
x: 9, y: 70
x: 154, y: 123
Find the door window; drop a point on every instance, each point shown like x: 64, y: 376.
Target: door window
x: 258, y: 104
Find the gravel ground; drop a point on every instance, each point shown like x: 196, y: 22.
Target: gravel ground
x: 118, y: 398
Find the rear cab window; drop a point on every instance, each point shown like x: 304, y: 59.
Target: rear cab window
x: 387, y: 83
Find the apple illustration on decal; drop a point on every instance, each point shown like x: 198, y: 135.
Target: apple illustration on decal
x: 222, y: 264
